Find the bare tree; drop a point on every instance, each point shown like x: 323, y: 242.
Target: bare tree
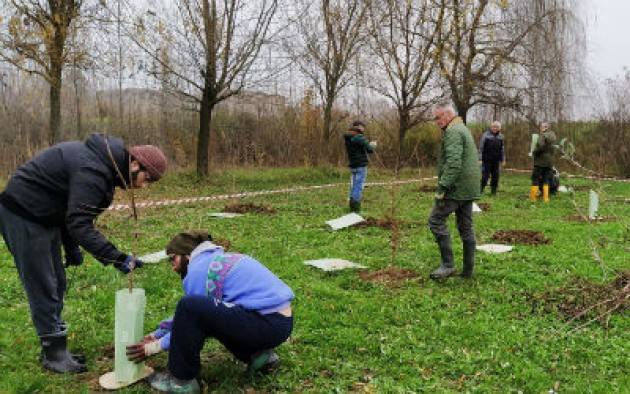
x: 479, y: 59
x: 329, y: 37
x: 214, y: 45
x: 35, y: 40
x: 403, y: 38
x: 555, y: 48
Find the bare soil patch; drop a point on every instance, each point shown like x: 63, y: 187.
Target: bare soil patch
x: 484, y: 206
x: 222, y: 242
x: 523, y: 237
x: 389, y: 276
x: 248, y: 208
x: 385, y: 223
x: 583, y: 219
x: 581, y: 188
x: 587, y: 301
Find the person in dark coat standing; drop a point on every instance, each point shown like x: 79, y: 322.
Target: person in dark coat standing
x: 492, y: 156
x: 52, y: 201
x: 357, y: 148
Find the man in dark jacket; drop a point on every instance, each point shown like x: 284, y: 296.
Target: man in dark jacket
x: 542, y: 175
x: 458, y: 185
x: 492, y: 156
x: 357, y: 147
x: 52, y: 201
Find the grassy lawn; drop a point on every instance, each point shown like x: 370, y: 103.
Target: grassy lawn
x: 493, y: 333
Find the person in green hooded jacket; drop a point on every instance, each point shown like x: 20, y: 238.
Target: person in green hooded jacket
x: 459, y: 179
x: 543, y: 173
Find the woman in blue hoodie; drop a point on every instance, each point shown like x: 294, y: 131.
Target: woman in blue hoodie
x: 228, y: 296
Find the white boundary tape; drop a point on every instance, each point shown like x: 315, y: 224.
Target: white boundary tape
x: 180, y: 201
x: 613, y: 179
x: 189, y: 200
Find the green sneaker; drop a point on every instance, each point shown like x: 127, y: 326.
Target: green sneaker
x: 264, y: 362
x: 165, y: 382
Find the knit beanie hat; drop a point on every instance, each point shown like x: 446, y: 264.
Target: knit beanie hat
x: 151, y: 159
x: 358, y: 126
x: 184, y: 243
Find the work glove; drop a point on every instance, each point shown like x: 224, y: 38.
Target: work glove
x: 373, y: 144
x: 439, y: 196
x: 140, y: 351
x: 128, y: 265
x: 74, y: 257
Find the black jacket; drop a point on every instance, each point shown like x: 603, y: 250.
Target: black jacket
x: 491, y: 147
x: 357, y: 148
x: 67, y: 186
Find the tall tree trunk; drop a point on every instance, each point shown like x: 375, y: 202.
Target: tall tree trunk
x: 403, y: 126
x: 55, y: 108
x: 328, y: 120
x: 203, y: 140
x: 463, y: 113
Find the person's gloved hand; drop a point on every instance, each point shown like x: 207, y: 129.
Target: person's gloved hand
x: 74, y: 257
x: 439, y: 196
x: 373, y: 144
x: 140, y: 351
x: 128, y: 265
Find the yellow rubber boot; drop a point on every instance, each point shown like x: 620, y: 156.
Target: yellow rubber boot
x: 546, y: 193
x: 533, y: 193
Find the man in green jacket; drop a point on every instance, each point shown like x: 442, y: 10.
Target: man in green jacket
x: 543, y: 163
x: 459, y: 179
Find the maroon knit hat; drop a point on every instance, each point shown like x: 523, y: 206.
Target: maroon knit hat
x: 151, y: 159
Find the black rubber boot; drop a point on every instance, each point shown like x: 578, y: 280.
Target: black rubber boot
x: 448, y: 266
x: 355, y: 206
x: 55, y: 356
x: 78, y: 357
x: 469, y: 258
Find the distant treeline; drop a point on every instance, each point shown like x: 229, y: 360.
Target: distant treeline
x: 288, y: 135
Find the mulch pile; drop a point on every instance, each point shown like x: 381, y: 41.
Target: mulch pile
x: 585, y: 300
x: 388, y: 276
x: 385, y: 223
x: 248, y: 208
x: 522, y: 237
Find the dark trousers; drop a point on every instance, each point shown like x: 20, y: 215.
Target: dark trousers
x: 490, y: 170
x: 241, y: 331
x: 463, y: 214
x: 542, y: 176
x: 36, y: 251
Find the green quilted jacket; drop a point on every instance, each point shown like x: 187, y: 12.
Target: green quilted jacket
x: 459, y: 174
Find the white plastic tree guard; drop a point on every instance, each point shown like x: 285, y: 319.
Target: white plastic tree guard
x: 128, y: 329
x: 593, y: 204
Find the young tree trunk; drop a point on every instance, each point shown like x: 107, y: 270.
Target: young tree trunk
x: 403, y: 126
x: 203, y: 140
x: 328, y: 121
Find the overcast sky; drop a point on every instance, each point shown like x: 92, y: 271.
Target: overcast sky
x: 608, y: 35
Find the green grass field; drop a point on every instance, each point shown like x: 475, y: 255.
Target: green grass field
x: 482, y: 335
